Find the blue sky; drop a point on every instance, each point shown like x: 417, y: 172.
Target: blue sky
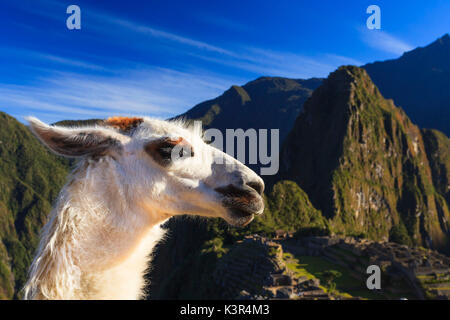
x: 160, y: 58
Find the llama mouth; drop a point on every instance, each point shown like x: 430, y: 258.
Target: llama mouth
x: 241, y: 207
x: 239, y: 217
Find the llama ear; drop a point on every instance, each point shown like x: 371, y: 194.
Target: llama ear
x: 75, y: 142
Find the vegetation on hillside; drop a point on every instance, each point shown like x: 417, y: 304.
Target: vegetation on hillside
x: 30, y: 180
x: 437, y: 146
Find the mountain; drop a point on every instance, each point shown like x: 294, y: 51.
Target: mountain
x: 419, y: 82
x: 267, y: 103
x: 30, y: 180
x: 366, y: 166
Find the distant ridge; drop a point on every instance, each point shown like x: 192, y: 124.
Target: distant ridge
x: 267, y: 102
x: 419, y: 82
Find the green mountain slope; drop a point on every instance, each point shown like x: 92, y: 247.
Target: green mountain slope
x: 364, y: 164
x: 30, y: 179
x: 437, y: 146
x: 419, y: 82
x: 288, y: 208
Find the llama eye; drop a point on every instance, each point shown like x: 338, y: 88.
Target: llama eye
x: 165, y: 152
x: 161, y: 150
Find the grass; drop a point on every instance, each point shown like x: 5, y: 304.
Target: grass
x: 345, y: 252
x: 314, y: 267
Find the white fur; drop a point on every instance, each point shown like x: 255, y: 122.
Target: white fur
x: 99, y: 236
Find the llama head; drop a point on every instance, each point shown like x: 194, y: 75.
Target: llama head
x: 160, y: 167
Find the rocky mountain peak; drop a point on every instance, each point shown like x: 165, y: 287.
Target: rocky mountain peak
x: 363, y: 163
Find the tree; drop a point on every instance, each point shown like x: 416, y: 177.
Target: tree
x: 330, y: 276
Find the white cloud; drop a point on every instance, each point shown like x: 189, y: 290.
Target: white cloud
x: 264, y: 62
x: 383, y: 41
x: 101, y: 23
x: 153, y: 92
x: 128, y: 87
x: 141, y: 89
x: 260, y: 61
x: 72, y: 62
x: 47, y: 57
x: 157, y: 33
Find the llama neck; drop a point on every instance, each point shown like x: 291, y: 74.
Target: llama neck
x: 95, y: 246
x: 124, y: 279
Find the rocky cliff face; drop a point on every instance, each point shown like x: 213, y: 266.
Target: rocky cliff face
x: 364, y: 164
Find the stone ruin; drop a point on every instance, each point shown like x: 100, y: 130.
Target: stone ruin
x: 254, y: 268
x: 425, y: 271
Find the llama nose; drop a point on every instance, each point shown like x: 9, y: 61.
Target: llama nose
x: 257, y: 185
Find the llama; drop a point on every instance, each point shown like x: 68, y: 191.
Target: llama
x: 133, y: 174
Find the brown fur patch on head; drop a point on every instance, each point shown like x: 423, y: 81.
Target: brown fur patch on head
x: 125, y: 124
